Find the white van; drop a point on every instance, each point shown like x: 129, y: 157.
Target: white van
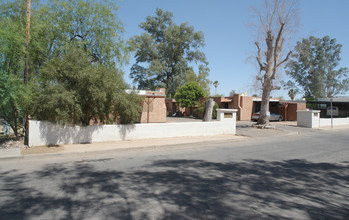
x: 334, y: 111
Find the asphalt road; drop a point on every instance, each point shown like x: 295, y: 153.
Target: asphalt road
x: 302, y: 175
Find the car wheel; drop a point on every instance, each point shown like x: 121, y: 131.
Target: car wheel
x: 280, y: 119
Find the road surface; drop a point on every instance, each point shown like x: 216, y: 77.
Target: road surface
x: 298, y: 176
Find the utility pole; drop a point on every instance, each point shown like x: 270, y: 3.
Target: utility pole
x: 331, y: 100
x: 26, y: 71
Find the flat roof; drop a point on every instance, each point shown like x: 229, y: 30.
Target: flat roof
x: 328, y: 100
x: 259, y: 99
x: 154, y: 96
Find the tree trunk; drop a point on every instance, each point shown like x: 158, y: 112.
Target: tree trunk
x: 16, y: 125
x: 263, y: 114
x: 208, y: 110
x: 267, y: 83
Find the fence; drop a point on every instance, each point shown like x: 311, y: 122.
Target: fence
x: 311, y: 119
x: 46, y: 133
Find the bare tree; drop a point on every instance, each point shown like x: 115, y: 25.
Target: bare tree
x: 275, y: 21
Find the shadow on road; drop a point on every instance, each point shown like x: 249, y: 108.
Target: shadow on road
x: 179, y: 189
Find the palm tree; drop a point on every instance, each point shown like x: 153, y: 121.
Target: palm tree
x: 215, y: 84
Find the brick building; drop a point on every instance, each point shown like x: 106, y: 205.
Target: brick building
x: 154, y: 108
x: 247, y: 105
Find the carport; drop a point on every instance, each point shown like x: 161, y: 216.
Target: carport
x: 288, y: 109
x: 323, y: 104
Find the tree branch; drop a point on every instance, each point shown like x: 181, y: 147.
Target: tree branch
x: 261, y: 67
x: 95, y: 58
x: 276, y: 88
x: 287, y: 57
x: 77, y: 35
x: 277, y: 48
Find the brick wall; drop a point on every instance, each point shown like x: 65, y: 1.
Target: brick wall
x: 246, y: 105
x: 155, y: 105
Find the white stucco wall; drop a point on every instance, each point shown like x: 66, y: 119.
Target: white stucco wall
x: 324, y: 122
x: 311, y: 119
x: 308, y: 118
x: 224, y: 114
x: 46, y: 133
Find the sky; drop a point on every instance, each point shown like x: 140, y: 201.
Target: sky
x: 229, y: 37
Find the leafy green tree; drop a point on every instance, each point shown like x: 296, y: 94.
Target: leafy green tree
x: 201, y: 79
x: 93, y: 25
x: 232, y: 92
x: 189, y: 94
x: 12, y: 100
x: 164, y: 51
x: 74, y: 90
x: 76, y: 47
x: 56, y: 24
x: 314, y: 68
x: 190, y: 75
x: 12, y: 52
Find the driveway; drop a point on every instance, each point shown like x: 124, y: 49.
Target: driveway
x: 245, y: 128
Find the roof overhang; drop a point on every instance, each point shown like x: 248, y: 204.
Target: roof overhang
x: 259, y: 99
x: 329, y: 100
x: 154, y: 96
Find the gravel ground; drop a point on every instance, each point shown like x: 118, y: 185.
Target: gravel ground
x: 6, y: 143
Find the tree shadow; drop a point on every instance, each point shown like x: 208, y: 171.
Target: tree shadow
x: 54, y: 134
x: 178, y: 189
x: 124, y: 130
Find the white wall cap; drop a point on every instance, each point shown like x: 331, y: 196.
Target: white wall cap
x: 226, y: 110
x: 310, y: 111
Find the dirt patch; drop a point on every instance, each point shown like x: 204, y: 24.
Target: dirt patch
x: 42, y: 150
x: 11, y: 142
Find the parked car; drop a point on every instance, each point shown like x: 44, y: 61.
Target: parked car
x: 273, y: 117
x: 334, y: 111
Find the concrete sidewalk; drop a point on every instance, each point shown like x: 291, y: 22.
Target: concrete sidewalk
x: 243, y: 130
x: 10, y: 153
x: 123, y: 145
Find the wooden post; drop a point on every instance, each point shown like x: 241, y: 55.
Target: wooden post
x: 285, y: 106
x: 148, y: 109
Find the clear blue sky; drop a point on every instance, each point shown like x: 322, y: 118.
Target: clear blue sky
x: 229, y: 39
